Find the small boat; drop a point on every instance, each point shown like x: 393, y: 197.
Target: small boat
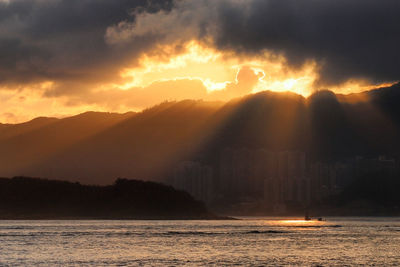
x: 307, y: 217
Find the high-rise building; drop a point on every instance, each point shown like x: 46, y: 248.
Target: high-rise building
x: 275, y: 177
x: 293, y: 181
x: 196, y: 179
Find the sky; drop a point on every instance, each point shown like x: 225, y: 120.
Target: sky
x: 63, y: 57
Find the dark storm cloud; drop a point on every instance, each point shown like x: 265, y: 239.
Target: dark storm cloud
x: 90, y: 41
x: 348, y: 38
x: 64, y: 39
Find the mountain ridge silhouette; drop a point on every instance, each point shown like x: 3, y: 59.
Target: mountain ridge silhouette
x: 96, y: 147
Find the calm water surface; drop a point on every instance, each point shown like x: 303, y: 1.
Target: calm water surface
x: 255, y: 242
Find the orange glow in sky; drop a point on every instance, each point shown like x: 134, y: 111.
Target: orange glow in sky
x: 216, y: 70
x: 193, y: 71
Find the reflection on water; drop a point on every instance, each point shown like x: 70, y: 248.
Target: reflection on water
x: 300, y: 222
x: 261, y: 241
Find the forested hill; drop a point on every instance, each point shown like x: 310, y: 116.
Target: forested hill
x: 32, y: 198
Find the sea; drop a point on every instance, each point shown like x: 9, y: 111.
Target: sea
x: 366, y: 241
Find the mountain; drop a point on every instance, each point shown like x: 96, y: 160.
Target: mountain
x: 3, y: 126
x: 96, y: 147
x: 30, y: 143
x: 32, y: 198
x: 9, y: 130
